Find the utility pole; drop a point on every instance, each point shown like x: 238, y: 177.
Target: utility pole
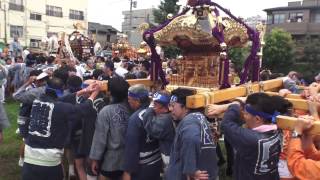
x: 5, y: 23
x: 133, y: 4
x: 130, y: 21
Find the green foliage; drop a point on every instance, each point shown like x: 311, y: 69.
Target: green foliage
x: 166, y: 7
x: 312, y: 52
x: 279, y: 51
x: 171, y: 51
x: 310, y: 60
x: 9, y: 150
x: 238, y: 56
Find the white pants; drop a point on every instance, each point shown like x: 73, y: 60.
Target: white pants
x: 2, y: 93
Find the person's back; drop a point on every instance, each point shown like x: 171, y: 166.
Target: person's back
x: 142, y: 153
x: 264, y: 162
x: 112, y: 124
x: 258, y: 146
x: 108, y: 142
x: 193, y: 143
x: 47, y: 131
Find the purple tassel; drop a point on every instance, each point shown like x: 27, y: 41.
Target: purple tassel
x: 254, y: 37
x: 226, y: 83
x: 156, y: 64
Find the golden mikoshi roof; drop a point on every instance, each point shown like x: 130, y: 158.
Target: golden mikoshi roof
x: 192, y: 30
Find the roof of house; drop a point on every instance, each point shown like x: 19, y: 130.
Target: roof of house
x: 288, y: 8
x: 101, y: 27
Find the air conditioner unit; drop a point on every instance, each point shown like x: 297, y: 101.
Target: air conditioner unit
x: 34, y: 44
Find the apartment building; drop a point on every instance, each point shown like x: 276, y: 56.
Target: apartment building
x: 32, y: 20
x: 300, y: 18
x: 132, y: 21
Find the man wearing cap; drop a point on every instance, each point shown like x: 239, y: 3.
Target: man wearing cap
x: 158, y: 122
x: 142, y: 153
x: 48, y: 129
x: 193, y: 154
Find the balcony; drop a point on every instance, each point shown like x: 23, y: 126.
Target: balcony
x: 301, y: 28
x: 314, y: 28
x: 295, y: 28
x: 16, y: 7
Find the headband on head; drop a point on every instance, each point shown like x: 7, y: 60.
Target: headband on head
x: 173, y: 99
x: 138, y: 95
x: 163, y: 99
x: 58, y: 92
x: 266, y: 116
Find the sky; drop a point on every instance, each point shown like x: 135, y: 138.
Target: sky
x: 109, y: 12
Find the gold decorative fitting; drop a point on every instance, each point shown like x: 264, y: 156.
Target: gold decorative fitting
x: 197, y: 31
x: 249, y: 88
x: 170, y: 16
x: 223, y: 55
x: 206, y: 6
x: 261, y: 86
x: 223, y: 46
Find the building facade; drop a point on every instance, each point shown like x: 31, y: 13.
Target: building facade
x: 133, y: 20
x: 104, y: 34
x: 33, y: 20
x: 300, y: 18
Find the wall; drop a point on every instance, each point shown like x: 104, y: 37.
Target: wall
x: 38, y: 29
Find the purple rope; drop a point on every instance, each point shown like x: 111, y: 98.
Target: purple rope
x: 253, y: 36
x: 218, y: 34
x: 252, y: 60
x: 220, y: 72
x: 226, y: 83
x: 156, y: 64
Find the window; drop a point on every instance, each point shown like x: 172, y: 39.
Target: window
x: 108, y: 38
x: 16, y: 5
x: 317, y: 18
x: 270, y: 19
x: 35, y: 43
x: 16, y: 31
x: 53, y: 11
x: 74, y: 14
x: 279, y: 18
x: 50, y: 34
x: 296, y: 17
x: 34, y: 16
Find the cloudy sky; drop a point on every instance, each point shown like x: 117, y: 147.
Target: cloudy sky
x: 109, y: 11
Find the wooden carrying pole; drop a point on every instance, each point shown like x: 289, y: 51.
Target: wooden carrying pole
x: 288, y: 123
x: 205, y: 98
x: 104, y: 84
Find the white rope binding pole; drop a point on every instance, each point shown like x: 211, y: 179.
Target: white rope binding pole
x: 68, y: 47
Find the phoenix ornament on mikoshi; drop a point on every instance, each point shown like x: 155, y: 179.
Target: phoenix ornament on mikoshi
x: 204, y: 37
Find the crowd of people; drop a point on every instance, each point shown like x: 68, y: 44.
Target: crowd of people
x: 133, y: 133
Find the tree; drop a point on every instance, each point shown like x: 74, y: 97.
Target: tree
x: 166, y: 7
x: 279, y: 51
x: 312, y: 52
x: 238, y: 56
x: 310, y: 61
x: 160, y: 15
